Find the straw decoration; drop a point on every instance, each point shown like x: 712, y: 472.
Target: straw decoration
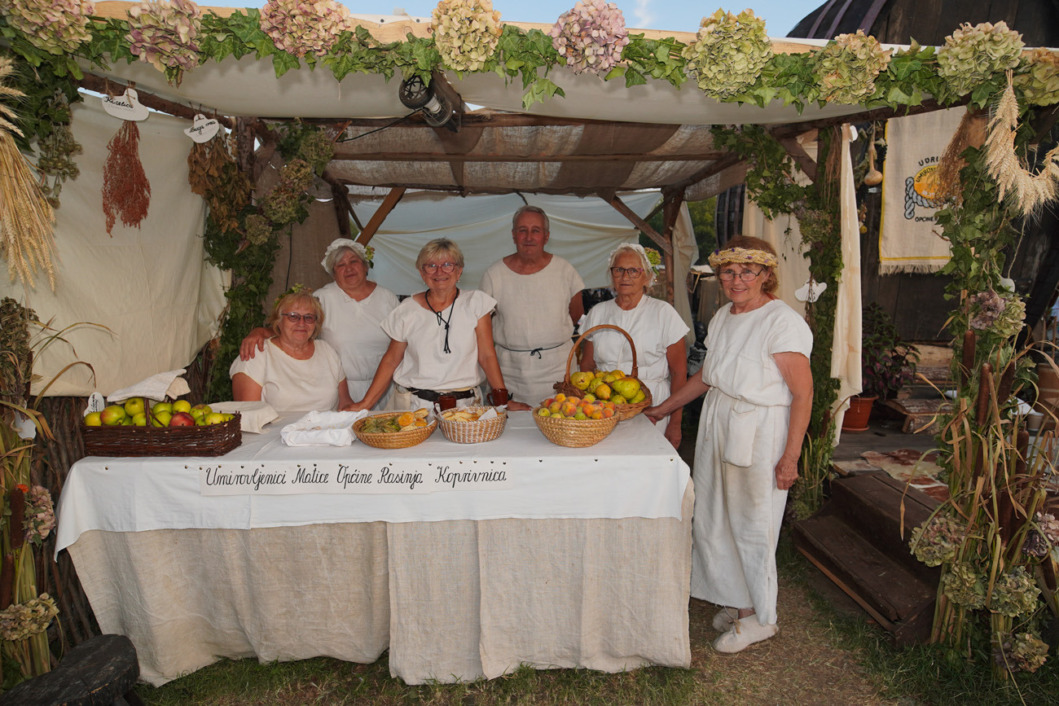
x: 970, y: 133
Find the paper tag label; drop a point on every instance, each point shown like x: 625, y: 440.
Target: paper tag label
x: 127, y: 106
x: 96, y: 403
x: 810, y: 291
x: 202, y: 129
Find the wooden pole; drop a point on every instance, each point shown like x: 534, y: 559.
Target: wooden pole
x: 380, y: 214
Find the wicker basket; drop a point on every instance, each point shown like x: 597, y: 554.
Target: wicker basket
x: 474, y: 432
x: 623, y: 411
x: 575, y: 433
x: 396, y: 439
x: 209, y: 440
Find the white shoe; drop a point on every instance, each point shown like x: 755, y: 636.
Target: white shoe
x: 725, y: 618
x: 744, y: 632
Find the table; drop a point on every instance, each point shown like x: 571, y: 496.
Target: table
x: 507, y: 553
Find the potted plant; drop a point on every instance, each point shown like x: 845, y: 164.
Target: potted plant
x: 887, y: 365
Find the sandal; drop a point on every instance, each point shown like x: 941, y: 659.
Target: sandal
x: 725, y: 618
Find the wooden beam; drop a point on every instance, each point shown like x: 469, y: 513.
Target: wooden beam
x: 380, y: 214
x: 109, y: 86
x: 671, y: 202
x: 640, y: 223
x: 342, y: 153
x: 799, y: 155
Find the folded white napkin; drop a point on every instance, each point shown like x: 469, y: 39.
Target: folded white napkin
x: 322, y: 429
x: 156, y: 387
x: 253, y: 416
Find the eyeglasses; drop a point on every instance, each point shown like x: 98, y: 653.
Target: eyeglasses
x: 620, y: 272
x: 745, y: 275
x: 295, y: 318
x: 432, y: 267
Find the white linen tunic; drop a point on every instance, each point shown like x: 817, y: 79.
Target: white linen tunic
x: 742, y: 435
x: 292, y: 385
x: 654, y: 326
x: 425, y: 364
x: 532, y: 326
x: 354, y: 329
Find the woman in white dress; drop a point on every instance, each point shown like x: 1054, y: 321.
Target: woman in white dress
x: 441, y: 341
x: 654, y: 326
x: 759, y: 394
x: 355, y: 308
x: 295, y: 372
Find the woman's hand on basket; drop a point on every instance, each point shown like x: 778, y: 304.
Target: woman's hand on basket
x: 786, y: 472
x: 514, y: 406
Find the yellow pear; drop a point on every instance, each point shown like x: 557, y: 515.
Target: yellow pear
x: 581, y: 380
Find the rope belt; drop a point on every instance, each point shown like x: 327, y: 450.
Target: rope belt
x: 532, y: 351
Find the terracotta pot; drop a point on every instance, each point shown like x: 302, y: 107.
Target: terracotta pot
x: 856, y: 418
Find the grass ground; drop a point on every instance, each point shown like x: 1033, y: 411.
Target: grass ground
x: 822, y: 655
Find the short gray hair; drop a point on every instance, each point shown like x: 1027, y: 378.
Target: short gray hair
x: 531, y: 209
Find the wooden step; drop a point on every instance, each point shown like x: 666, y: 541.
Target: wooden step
x: 899, y: 599
x: 99, y: 672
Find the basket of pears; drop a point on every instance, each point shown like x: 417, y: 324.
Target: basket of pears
x: 628, y: 394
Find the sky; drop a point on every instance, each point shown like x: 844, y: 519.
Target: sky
x: 676, y: 15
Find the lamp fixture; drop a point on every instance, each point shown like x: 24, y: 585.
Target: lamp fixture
x: 416, y: 95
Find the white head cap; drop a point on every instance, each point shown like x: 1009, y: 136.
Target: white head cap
x: 334, y: 251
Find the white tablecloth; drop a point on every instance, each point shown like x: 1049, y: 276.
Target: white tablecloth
x: 584, y: 561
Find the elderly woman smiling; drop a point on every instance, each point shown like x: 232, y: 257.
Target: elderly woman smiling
x: 759, y: 394
x: 654, y: 326
x: 295, y: 371
x: 441, y: 340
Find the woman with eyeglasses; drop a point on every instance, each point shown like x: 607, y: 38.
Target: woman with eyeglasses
x: 759, y: 394
x: 441, y: 341
x: 654, y: 326
x: 295, y: 371
x: 355, y: 308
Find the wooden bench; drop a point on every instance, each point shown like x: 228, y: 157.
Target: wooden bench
x: 99, y: 672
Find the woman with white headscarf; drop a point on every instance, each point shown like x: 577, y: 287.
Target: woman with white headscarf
x: 354, y: 309
x: 654, y: 326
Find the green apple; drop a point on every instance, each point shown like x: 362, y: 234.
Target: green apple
x: 92, y: 419
x: 161, y: 419
x: 127, y: 422
x: 134, y: 406
x: 113, y: 415
x: 161, y: 407
x: 139, y: 420
x: 200, y: 411
x: 215, y: 418
x: 181, y: 406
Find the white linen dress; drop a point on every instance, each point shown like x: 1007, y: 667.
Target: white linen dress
x: 742, y: 434
x: 425, y: 364
x: 654, y: 326
x: 292, y: 385
x: 532, y: 326
x: 354, y: 329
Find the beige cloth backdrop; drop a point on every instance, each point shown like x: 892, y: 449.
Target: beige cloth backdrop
x: 793, y: 272
x: 149, y: 286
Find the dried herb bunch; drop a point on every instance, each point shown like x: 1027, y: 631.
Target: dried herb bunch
x: 214, y: 175
x: 15, y: 356
x: 126, y: 190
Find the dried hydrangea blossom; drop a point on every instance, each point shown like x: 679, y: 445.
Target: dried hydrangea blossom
x: 22, y: 620
x: 466, y: 33
x: 1029, y: 652
x: 258, y: 229
x: 972, y: 55
x: 56, y: 26
x: 847, y: 68
x: 964, y: 586
x: 1040, y: 83
x: 591, y: 36
x: 728, y: 53
x: 284, y: 203
x: 163, y: 33
x: 937, y: 540
x: 1001, y: 314
x: 301, y: 27
x: 1014, y: 594
x: 317, y: 148
x: 40, y: 514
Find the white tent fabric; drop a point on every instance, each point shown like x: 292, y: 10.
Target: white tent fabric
x: 148, y: 286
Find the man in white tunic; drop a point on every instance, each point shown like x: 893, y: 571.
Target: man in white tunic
x: 538, y: 297
x: 760, y: 393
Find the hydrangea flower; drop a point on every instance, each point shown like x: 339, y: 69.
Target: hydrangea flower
x: 937, y: 540
x: 1029, y: 652
x: 1040, y: 84
x: 466, y: 33
x: 591, y: 36
x: 964, y: 586
x: 1002, y: 314
x: 972, y: 55
x: 1014, y: 594
x: 39, y: 518
x: 301, y: 27
x: 728, y: 53
x: 22, y: 620
x: 847, y: 68
x: 56, y: 26
x: 163, y: 33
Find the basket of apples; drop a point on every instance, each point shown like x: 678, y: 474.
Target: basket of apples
x: 139, y: 428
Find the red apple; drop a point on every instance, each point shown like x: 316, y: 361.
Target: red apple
x: 182, y: 419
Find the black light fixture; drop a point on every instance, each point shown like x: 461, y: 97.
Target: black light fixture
x: 416, y: 95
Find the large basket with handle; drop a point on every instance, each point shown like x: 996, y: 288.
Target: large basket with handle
x: 624, y: 411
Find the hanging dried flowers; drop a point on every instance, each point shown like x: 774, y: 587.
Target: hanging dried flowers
x: 286, y: 202
x: 1001, y: 314
x: 728, y: 53
x: 39, y: 517
x: 846, y: 68
x: 22, y: 620
x: 466, y: 33
x: 163, y: 34
x: 1030, y: 191
x: 301, y: 27
x: 126, y: 190
x: 591, y: 36
x: 972, y: 55
x: 26, y: 233
x: 317, y: 148
x: 56, y: 26
x: 214, y: 175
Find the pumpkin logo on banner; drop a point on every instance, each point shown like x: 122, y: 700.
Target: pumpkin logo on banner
x: 127, y: 106
x: 202, y: 129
